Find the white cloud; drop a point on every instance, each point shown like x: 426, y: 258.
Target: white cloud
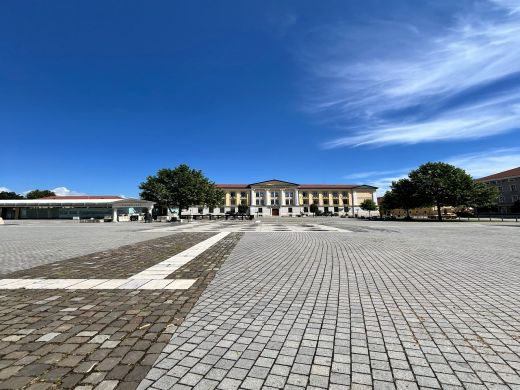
x: 4, y: 189
x: 488, y: 162
x: 478, y: 164
x: 435, y: 88
x: 64, y: 191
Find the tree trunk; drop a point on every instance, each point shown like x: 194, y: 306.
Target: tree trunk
x: 439, y: 213
x: 180, y: 212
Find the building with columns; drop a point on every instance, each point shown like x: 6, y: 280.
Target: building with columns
x: 282, y: 198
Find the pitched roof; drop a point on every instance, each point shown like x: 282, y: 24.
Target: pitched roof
x: 83, y: 197
x: 232, y: 185
x: 515, y: 172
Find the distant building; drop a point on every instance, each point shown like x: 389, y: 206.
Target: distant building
x: 282, y: 198
x: 508, y: 185
x: 71, y: 207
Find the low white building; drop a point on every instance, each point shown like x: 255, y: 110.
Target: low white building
x: 74, y: 207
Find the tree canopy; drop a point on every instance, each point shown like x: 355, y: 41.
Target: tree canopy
x: 38, y: 194
x: 368, y: 205
x: 438, y: 184
x: 9, y: 195
x: 181, y: 187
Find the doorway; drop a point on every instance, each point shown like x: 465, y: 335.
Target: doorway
x: 276, y: 212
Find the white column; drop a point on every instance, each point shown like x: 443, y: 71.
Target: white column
x: 114, y: 214
x: 374, y: 197
x: 252, y: 201
x: 267, y: 197
x: 354, y: 202
x: 296, y: 197
x: 282, y: 197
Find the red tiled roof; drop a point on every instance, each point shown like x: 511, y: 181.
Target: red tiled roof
x: 83, y: 197
x: 301, y: 186
x: 232, y: 185
x: 503, y: 175
x: 324, y: 186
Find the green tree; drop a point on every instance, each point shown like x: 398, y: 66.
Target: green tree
x: 439, y: 184
x: 483, y: 196
x: 10, y: 195
x: 243, y: 209
x: 404, y: 195
x: 181, y: 187
x: 38, y: 194
x: 314, y: 208
x: 368, y: 205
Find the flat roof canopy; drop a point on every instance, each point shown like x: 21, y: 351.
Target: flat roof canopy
x: 83, y: 202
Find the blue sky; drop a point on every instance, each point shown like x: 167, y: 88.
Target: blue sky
x: 96, y: 95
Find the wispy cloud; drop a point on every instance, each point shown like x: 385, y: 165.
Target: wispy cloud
x: 488, y: 162
x: 4, y: 189
x: 64, y: 191
x: 478, y: 164
x: 454, y: 84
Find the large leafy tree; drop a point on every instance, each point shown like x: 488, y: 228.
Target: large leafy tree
x: 368, y: 205
x: 439, y: 184
x: 483, y: 196
x: 38, y: 194
x: 404, y: 195
x: 8, y: 195
x: 181, y: 187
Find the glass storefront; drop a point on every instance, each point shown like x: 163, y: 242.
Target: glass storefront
x: 64, y: 212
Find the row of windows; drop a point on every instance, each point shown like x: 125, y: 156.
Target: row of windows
x: 502, y: 199
x: 503, y: 181
x: 290, y: 194
x: 513, y: 188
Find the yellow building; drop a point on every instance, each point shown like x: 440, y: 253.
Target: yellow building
x: 282, y: 198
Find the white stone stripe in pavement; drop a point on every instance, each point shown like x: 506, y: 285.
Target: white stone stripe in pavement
x: 96, y: 284
x: 166, y: 267
x: 153, y: 278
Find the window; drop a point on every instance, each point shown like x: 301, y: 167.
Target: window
x: 335, y: 201
x: 260, y: 210
x: 325, y: 201
x: 499, y: 188
x: 288, y: 194
x: 274, y: 202
x: 243, y: 194
x: 514, y: 198
x: 345, y: 194
x: 233, y: 194
x: 315, y: 202
x: 288, y: 202
x: 336, y: 209
x: 335, y: 194
x: 325, y: 194
x: 305, y: 194
x: 260, y: 202
x: 243, y: 202
x: 211, y: 210
x: 501, y: 199
x: 232, y: 209
x: 513, y: 187
x: 259, y: 194
x: 305, y: 209
x: 233, y: 202
x: 345, y: 209
x: 290, y: 209
x: 201, y: 210
x: 274, y: 194
x: 222, y: 210
x: 314, y: 194
x: 326, y: 209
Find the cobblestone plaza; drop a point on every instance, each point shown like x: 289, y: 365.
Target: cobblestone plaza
x: 292, y: 303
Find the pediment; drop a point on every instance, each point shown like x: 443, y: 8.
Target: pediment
x: 274, y: 183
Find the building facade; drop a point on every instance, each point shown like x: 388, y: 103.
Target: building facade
x: 286, y: 199
x: 508, y: 185
x: 114, y: 208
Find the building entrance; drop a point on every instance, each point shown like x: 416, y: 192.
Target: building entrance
x: 276, y: 212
